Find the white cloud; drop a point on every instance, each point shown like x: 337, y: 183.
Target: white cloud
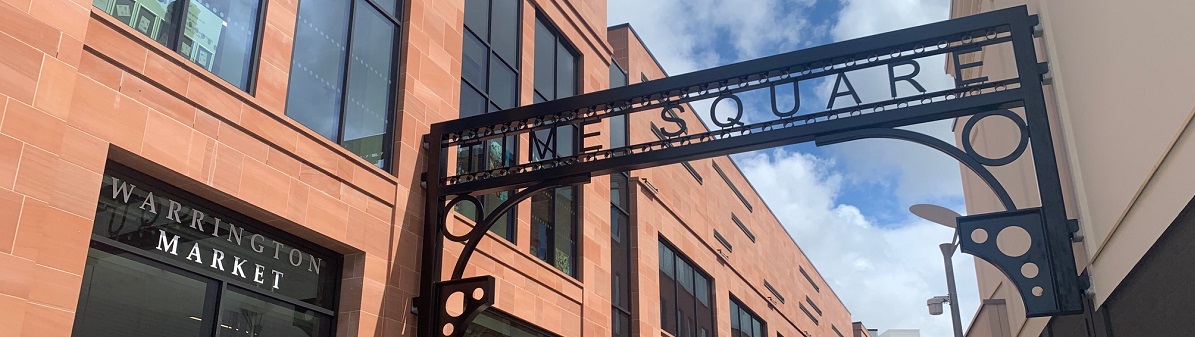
x: 922, y: 174
x: 882, y: 275
x: 885, y: 273
x: 682, y: 33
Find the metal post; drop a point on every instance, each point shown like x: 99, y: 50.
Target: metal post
x: 433, y: 235
x: 947, y: 252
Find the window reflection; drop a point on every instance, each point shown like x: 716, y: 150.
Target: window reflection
x: 369, y: 88
x: 219, y: 35
x: 495, y: 324
x: 126, y: 297
x: 246, y: 314
x: 345, y: 93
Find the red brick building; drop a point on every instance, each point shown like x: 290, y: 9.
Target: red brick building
x: 204, y: 167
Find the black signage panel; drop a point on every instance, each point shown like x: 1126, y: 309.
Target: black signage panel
x: 160, y: 220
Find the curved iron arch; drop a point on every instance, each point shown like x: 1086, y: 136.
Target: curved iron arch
x: 474, y: 236
x: 931, y: 142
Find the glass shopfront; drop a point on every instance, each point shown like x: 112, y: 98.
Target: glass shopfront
x: 163, y: 262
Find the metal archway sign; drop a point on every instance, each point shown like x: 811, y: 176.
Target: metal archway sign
x: 1051, y: 289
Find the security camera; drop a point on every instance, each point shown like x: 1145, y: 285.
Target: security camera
x: 935, y: 304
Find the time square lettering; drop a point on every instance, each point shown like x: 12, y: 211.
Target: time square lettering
x: 842, y: 88
x: 168, y: 243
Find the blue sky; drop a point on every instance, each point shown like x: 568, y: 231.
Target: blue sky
x: 845, y: 204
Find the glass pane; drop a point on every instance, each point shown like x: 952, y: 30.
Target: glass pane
x: 622, y: 324
x: 506, y: 29
x: 684, y: 275
x: 756, y: 329
x: 492, y: 323
x: 566, y: 207
x: 618, y: 131
x: 477, y: 17
x: 502, y: 225
x: 473, y: 61
x: 371, y: 84
x: 541, y: 224
x: 545, y: 56
x: 567, y: 138
x: 472, y: 102
x: 667, y: 260
x: 701, y: 289
x: 543, y: 145
x: 123, y: 297
x: 512, y: 150
x: 317, y: 66
x: 220, y: 35
x: 152, y: 18
x: 618, y: 189
x: 616, y: 224
x: 503, y: 84
x: 247, y: 314
x: 477, y: 157
x: 734, y: 317
x: 744, y: 321
x: 566, y: 72
x: 390, y: 6
x: 617, y: 77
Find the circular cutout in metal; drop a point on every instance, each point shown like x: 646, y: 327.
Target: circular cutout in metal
x: 455, y: 305
x: 1037, y: 291
x: 478, y: 293
x: 1022, y: 143
x: 1013, y: 241
x: 1029, y: 270
x: 979, y: 235
x: 448, y: 329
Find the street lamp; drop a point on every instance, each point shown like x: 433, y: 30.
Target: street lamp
x: 945, y: 217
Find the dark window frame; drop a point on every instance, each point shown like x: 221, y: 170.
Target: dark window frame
x: 552, y: 144
x: 508, y: 144
x: 697, y: 271
x: 735, y: 303
x: 619, y: 245
x: 395, y: 70
x: 490, y: 52
x: 836, y: 332
x: 733, y: 188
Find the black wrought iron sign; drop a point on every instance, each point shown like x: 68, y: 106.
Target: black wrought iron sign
x: 561, y: 153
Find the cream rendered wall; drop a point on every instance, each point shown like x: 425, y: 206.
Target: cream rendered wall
x: 1122, y: 102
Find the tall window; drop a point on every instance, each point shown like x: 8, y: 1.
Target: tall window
x: 219, y: 35
x: 744, y: 322
x: 554, y: 212
x: 620, y: 231
x: 490, y: 82
x: 342, y: 76
x: 686, y: 309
